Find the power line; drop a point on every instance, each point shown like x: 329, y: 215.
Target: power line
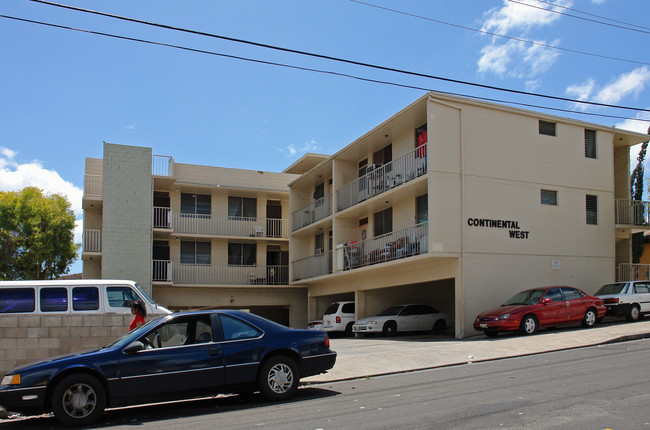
x: 341, y: 60
x: 579, y: 17
x: 592, y: 14
x: 346, y: 75
x: 489, y: 33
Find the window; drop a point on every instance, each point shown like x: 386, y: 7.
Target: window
x: 384, y: 222
x: 549, y: 197
x: 198, y: 204
x: 85, y: 298
x: 234, y: 329
x: 242, y: 254
x: 187, y: 331
x: 592, y: 209
x: 319, y: 191
x: 242, y: 207
x: 555, y: 295
x: 383, y: 156
x: 348, y: 308
x: 14, y: 300
x: 421, y: 208
x: 546, y: 128
x: 319, y: 243
x: 195, y: 252
x: 54, y: 299
x: 572, y: 293
x: 590, y: 143
x: 120, y: 297
x: 641, y: 289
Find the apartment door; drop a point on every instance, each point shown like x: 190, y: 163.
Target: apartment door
x: 274, y: 218
x: 161, y: 260
x: 277, y: 266
x: 161, y: 205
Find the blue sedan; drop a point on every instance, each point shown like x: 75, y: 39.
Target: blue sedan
x: 176, y: 356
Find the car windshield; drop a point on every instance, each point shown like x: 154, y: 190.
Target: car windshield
x: 528, y: 297
x: 331, y: 309
x: 611, y: 289
x: 393, y: 310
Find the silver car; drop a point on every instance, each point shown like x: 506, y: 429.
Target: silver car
x: 629, y: 299
x: 403, y: 318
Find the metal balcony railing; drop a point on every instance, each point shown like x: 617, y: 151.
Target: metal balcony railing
x: 632, y: 212
x: 217, y: 274
x: 162, y: 165
x: 161, y: 271
x: 384, y: 178
x: 92, y: 240
x: 398, y: 244
x: 632, y: 272
x: 92, y: 185
x: 315, y: 211
x: 311, y: 267
x: 162, y: 217
x: 230, y: 225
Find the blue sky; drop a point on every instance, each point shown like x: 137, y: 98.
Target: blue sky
x: 65, y: 92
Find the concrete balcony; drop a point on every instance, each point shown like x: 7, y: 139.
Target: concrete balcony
x: 92, y: 197
x: 632, y: 272
x: 384, y: 178
x: 92, y: 244
x: 315, y: 211
x: 633, y: 213
x: 196, y: 224
x: 312, y: 267
x: 219, y: 274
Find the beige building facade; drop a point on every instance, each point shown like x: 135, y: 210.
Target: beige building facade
x: 460, y: 204
x: 191, y: 236
x: 451, y: 202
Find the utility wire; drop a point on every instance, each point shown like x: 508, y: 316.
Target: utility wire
x: 592, y: 14
x: 342, y: 60
x: 489, y: 33
x: 579, y: 17
x: 308, y: 69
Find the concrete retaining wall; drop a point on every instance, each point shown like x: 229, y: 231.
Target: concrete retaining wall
x: 28, y: 338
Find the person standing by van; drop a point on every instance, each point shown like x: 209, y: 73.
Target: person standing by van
x: 140, y: 311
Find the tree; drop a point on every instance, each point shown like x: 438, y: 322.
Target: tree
x: 636, y: 188
x: 36, y: 235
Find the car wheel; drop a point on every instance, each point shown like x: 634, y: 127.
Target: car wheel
x: 528, y: 325
x: 439, y: 327
x: 78, y: 400
x: 348, y: 329
x: 390, y: 329
x: 491, y: 333
x: 590, y: 318
x: 279, y: 378
x: 633, y: 314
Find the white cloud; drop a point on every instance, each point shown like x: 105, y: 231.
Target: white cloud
x: 15, y: 176
x: 292, y: 149
x: 598, y: 1
x: 633, y: 83
x: 638, y: 126
x: 514, y: 16
x: 516, y: 59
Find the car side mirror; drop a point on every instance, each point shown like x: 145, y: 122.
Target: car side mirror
x: 547, y: 301
x: 133, y: 347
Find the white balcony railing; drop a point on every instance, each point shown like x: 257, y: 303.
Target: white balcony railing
x: 311, y: 267
x: 632, y: 272
x: 162, y: 165
x: 217, y: 274
x: 315, y: 211
x: 162, y: 217
x: 92, y: 240
x: 632, y: 212
x: 161, y: 271
x: 92, y: 185
x: 230, y: 226
x: 390, y: 246
x: 384, y: 178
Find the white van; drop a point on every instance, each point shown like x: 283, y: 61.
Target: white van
x: 78, y: 296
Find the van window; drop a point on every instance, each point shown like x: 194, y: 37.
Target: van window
x: 54, y: 299
x: 121, y: 297
x: 85, y: 298
x: 13, y: 300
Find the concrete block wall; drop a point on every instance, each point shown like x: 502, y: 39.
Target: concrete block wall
x: 28, y: 338
x: 127, y: 214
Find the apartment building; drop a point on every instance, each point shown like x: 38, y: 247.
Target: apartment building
x: 192, y: 236
x: 460, y: 204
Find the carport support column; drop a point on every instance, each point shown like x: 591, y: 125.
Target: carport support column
x: 312, y: 309
x: 359, y: 304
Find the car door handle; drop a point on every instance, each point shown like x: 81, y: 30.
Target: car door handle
x: 215, y: 352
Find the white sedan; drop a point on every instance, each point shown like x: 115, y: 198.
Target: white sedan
x: 403, y: 318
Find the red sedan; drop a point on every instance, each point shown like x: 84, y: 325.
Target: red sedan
x: 541, y: 307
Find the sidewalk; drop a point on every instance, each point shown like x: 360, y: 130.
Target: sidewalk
x: 362, y: 357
